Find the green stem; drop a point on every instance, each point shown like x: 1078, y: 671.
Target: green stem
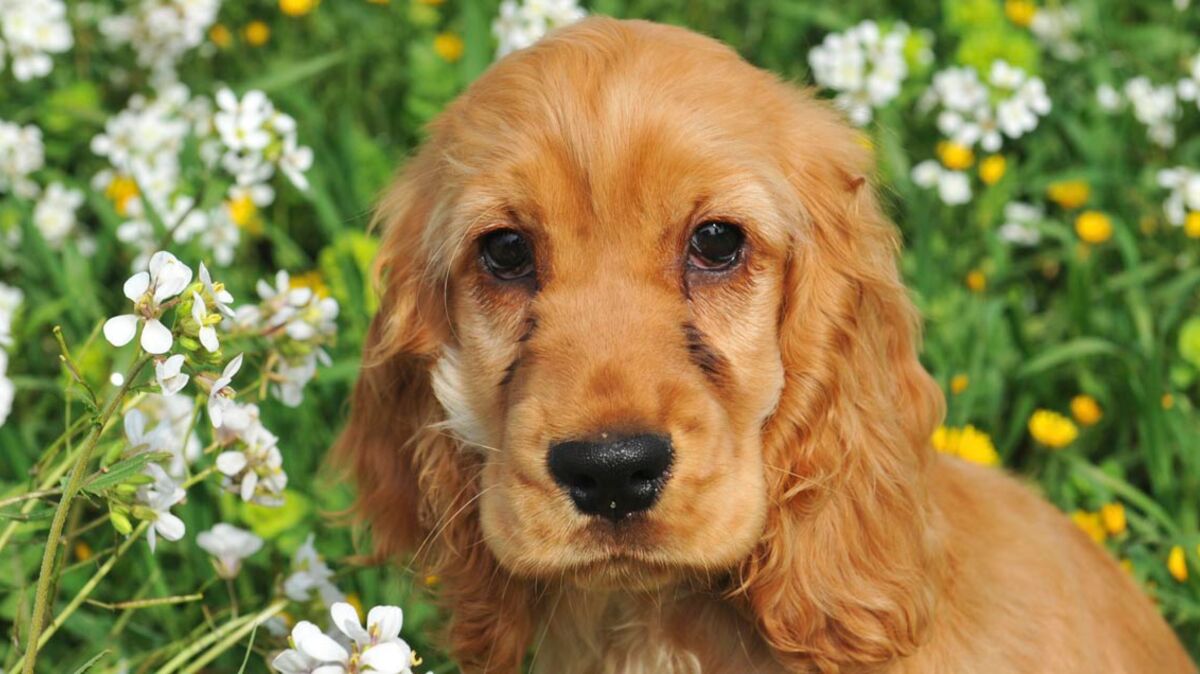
x: 31, y: 653
x: 236, y: 636
x: 233, y: 626
x: 42, y: 596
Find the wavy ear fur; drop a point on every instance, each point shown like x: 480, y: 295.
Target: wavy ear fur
x: 416, y: 487
x: 846, y: 574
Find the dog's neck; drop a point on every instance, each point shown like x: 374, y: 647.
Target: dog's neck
x: 667, y: 631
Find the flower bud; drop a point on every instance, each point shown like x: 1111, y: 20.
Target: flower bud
x: 120, y: 522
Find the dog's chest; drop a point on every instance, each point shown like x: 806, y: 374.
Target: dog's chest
x: 613, y: 633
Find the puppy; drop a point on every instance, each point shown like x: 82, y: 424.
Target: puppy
x: 643, y: 392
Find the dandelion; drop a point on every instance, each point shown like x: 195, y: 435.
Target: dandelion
x: 1052, y: 429
x: 229, y: 545
x: 1020, y: 12
x: 220, y: 35
x: 967, y: 443
x: 1086, y: 410
x: 1177, y: 564
x: 257, y: 33
x: 976, y: 281
x: 955, y: 156
x: 1093, y: 227
x: 1113, y: 516
x: 864, y: 65
x: 959, y: 383
x: 169, y: 375
x: 297, y: 7
x: 166, y: 278
x: 992, y: 169
x: 448, y: 46
x: 376, y: 648
x: 1091, y: 524
x: 1069, y: 194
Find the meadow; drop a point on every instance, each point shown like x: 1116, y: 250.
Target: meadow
x: 185, y: 285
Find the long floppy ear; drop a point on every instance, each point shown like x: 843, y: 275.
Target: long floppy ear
x: 848, y: 568
x: 417, y: 489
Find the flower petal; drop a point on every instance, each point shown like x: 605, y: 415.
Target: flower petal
x: 249, y: 484
x: 292, y: 662
x: 231, y: 463
x: 156, y: 337
x: 232, y: 367
x: 391, y: 657
x: 387, y: 621
x: 208, y: 338
x: 137, y: 285
x: 170, y: 526
x: 119, y: 330
x: 345, y: 618
x: 314, y: 643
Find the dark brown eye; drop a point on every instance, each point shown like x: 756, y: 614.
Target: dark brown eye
x: 715, y: 246
x: 507, y: 254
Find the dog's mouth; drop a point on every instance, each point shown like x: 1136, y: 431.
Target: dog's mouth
x: 626, y: 571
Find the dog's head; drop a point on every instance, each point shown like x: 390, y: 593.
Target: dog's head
x: 641, y: 324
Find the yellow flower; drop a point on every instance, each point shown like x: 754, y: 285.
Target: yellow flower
x: 1113, y: 516
x: 1020, y: 12
x: 1090, y: 524
x: 967, y: 443
x: 955, y: 156
x: 1191, y: 225
x: 256, y: 33
x: 311, y: 280
x: 244, y: 214
x: 1177, y: 564
x: 1093, y: 227
x: 297, y: 7
x: 120, y: 192
x: 448, y: 46
x: 1052, y: 429
x: 432, y: 580
x: 1069, y: 193
x: 1168, y: 401
x: 992, y: 168
x: 976, y: 281
x: 83, y: 551
x: 1086, y: 410
x: 220, y: 35
x: 959, y: 383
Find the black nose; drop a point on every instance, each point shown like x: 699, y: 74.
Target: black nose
x: 613, y: 477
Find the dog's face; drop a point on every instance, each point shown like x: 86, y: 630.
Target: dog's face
x: 642, y: 323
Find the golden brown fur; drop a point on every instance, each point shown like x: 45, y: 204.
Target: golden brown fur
x: 807, y: 525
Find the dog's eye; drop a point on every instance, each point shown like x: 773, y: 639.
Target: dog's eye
x: 507, y: 254
x: 715, y: 246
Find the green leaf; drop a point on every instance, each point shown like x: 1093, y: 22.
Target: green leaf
x: 121, y: 471
x: 1077, y: 349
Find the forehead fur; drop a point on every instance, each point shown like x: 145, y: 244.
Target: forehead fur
x: 607, y: 121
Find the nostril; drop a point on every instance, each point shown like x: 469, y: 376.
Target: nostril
x: 582, y: 482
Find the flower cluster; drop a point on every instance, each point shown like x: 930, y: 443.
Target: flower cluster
x: 972, y: 112
x: 865, y: 65
x: 310, y: 574
x: 21, y: 153
x: 30, y: 31
x: 297, y: 322
x: 256, y: 139
x: 1182, y: 205
x: 1055, y: 28
x: 54, y: 215
x: 10, y: 301
x: 967, y: 443
x: 1020, y: 224
x: 375, y: 648
x: 161, y: 32
x: 520, y: 25
x: 251, y: 461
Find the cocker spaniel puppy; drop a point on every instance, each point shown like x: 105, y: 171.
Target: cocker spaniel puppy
x: 643, y: 392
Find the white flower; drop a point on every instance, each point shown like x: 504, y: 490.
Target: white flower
x: 207, y: 330
x: 866, y: 67
x: 1020, y: 220
x: 221, y: 297
x: 54, y: 215
x: 159, y: 497
x: 174, y: 418
x: 1055, y: 28
x: 294, y: 161
x: 971, y: 113
x: 10, y: 300
x: 135, y: 433
x: 230, y: 545
x: 1183, y: 198
x: 1157, y: 107
x: 169, y: 375
x: 309, y: 572
x: 520, y: 25
x: 376, y: 648
x: 7, y: 391
x: 33, y: 29
x: 161, y: 31
x: 21, y: 153
x: 953, y: 187
x: 220, y: 396
x: 1108, y: 97
x: 255, y: 469
x: 926, y: 173
x: 241, y: 124
x: 167, y: 278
